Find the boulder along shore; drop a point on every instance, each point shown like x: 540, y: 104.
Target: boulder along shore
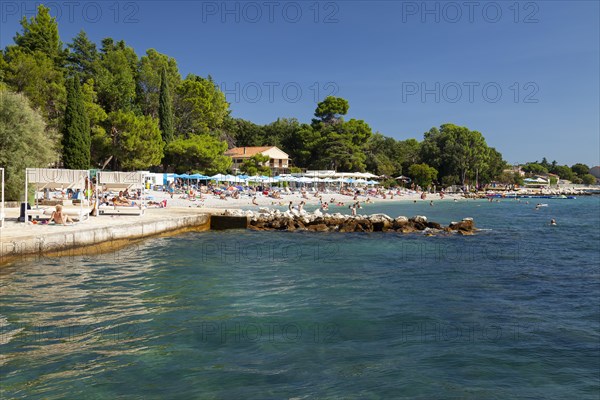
x: 270, y: 220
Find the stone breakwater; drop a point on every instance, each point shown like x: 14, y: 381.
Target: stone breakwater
x: 269, y: 220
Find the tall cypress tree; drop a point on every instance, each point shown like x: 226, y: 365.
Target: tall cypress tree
x: 76, y: 139
x: 165, y: 112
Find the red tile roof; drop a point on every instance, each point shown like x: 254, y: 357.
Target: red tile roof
x: 246, y: 152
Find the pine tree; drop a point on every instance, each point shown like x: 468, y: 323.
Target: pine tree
x: 40, y: 33
x: 83, y: 56
x: 76, y: 129
x: 165, y: 113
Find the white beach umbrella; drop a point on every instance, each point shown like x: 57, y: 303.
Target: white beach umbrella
x: 218, y: 177
x: 369, y: 175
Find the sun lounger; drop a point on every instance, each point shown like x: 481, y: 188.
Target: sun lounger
x: 81, y: 214
x: 121, y: 210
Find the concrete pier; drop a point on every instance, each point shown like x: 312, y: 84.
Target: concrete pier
x: 105, y: 233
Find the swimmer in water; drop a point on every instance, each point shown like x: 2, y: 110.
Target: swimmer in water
x: 553, y: 222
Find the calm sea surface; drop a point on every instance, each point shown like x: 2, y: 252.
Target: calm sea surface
x: 511, y: 313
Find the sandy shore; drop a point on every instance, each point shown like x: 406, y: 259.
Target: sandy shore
x: 245, y: 201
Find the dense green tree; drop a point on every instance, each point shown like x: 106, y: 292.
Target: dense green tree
x: 248, y: 133
x: 534, y: 168
x: 340, y: 143
x: 101, y: 143
x: 200, y: 106
x: 495, y: 166
x: 152, y: 66
x: 24, y: 142
x: 107, y: 45
x: 40, y: 34
x: 588, y: 179
x: 83, y: 57
x: 76, y: 129
x: 278, y: 132
x: 459, y: 154
x: 408, y: 153
x: 35, y: 75
x: 422, y: 174
x: 116, y: 84
x: 564, y: 172
x: 337, y: 150
x: 3, y: 69
x: 382, y: 155
x: 430, y: 147
x: 463, y: 151
x: 258, y: 164
x: 136, y: 140
x: 302, y: 145
x: 331, y: 109
x: 510, y: 178
x: 358, y: 131
x: 165, y: 111
x: 198, y: 153
x: 580, y: 169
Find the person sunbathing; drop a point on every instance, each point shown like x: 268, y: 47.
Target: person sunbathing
x: 104, y: 201
x: 159, y: 204
x: 59, y: 217
x: 120, y: 200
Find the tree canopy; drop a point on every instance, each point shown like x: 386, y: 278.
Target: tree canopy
x: 198, y: 153
x: 25, y: 141
x: 76, y: 129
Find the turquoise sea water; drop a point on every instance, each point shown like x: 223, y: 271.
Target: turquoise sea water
x: 511, y: 313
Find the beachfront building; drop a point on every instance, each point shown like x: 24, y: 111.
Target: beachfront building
x: 515, y: 169
x: 279, y: 161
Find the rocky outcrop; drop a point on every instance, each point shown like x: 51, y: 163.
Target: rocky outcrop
x: 268, y: 220
x: 464, y: 227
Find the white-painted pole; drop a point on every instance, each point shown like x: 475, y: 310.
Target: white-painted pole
x: 26, y: 220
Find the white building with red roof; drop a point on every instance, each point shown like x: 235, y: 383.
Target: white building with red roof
x: 278, y: 159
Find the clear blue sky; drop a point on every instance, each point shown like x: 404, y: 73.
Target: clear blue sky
x: 403, y: 66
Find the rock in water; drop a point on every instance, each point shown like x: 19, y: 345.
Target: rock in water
x: 317, y: 222
x: 466, y: 225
